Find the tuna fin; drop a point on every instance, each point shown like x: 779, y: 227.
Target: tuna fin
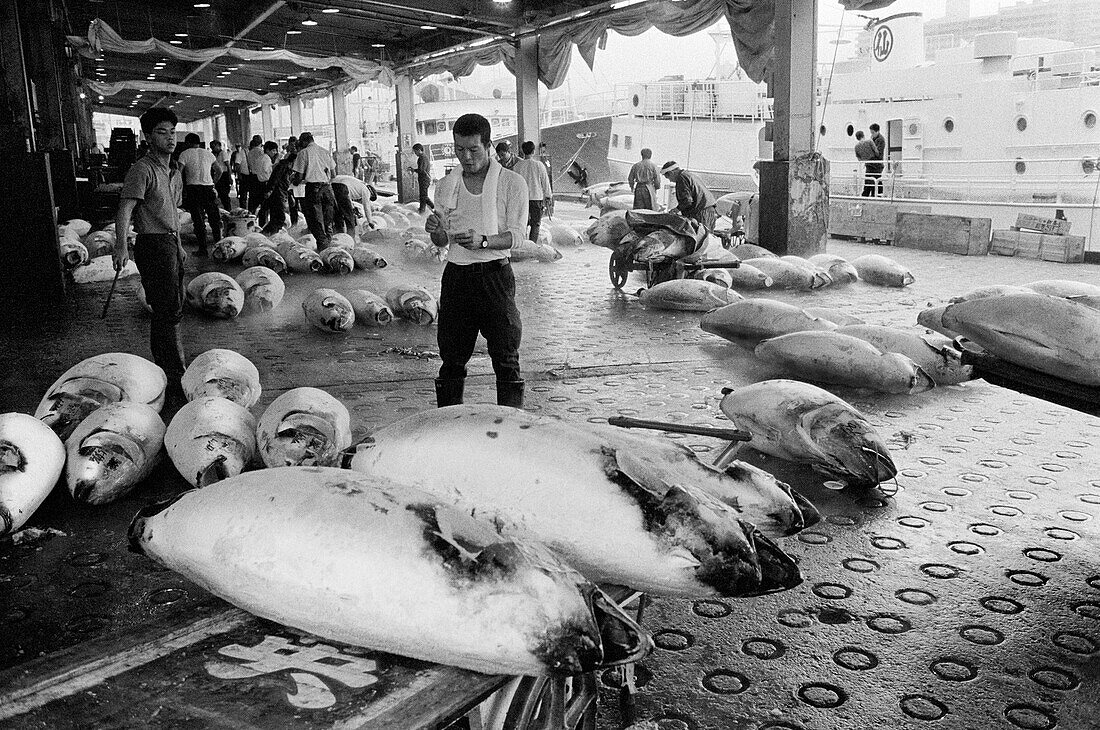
x: 214, y: 472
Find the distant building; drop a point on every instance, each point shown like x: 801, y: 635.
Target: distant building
x: 1075, y: 21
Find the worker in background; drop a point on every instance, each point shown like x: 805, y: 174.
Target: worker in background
x: 693, y: 199
x: 255, y: 158
x: 280, y: 198
x: 200, y: 170
x: 876, y: 168
x: 423, y: 172
x: 262, y: 169
x: 314, y: 167
x: 539, y: 194
x: 504, y: 155
x: 348, y: 189
x: 644, y: 180
x: 867, y: 153
x: 224, y: 179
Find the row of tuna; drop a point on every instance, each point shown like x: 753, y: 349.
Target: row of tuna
x: 330, y: 311
x: 1049, y: 326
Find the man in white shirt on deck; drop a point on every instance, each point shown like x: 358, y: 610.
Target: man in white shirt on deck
x: 314, y: 167
x: 348, y: 189
x: 538, y: 187
x: 200, y: 169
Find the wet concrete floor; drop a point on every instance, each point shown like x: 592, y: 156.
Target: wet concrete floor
x: 965, y: 596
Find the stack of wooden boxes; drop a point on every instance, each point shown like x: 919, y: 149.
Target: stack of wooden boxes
x: 1039, y: 238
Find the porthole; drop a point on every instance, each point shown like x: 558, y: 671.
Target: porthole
x: 1088, y: 165
x: 822, y: 130
x: 1021, y: 166
x: 1089, y: 120
x: 851, y: 130
x: 1021, y: 123
x: 636, y: 101
x: 949, y: 125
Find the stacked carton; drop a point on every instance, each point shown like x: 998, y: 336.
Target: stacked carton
x: 1039, y: 238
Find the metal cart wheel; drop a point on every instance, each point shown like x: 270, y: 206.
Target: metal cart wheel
x: 554, y: 703
x: 618, y: 268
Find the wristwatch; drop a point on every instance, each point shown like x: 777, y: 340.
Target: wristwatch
x: 484, y: 241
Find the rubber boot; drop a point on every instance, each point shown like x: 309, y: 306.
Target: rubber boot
x: 510, y: 393
x: 448, y: 391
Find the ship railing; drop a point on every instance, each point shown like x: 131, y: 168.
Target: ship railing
x: 1045, y: 180
x: 1064, y: 68
x: 711, y: 100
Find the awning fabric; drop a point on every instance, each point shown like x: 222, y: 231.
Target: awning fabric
x: 103, y: 38
x: 210, y: 92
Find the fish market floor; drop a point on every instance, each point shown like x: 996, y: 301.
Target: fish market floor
x: 965, y: 596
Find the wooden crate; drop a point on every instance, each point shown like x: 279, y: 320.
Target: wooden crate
x: 948, y: 233
x: 1056, y: 226
x: 867, y: 218
x: 1026, y: 244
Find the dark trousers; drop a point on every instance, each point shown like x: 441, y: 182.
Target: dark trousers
x: 320, y: 211
x: 425, y: 201
x: 201, y: 201
x: 872, y: 180
x: 159, y: 259
x: 255, y: 193
x: 221, y: 187
x: 534, y: 217
x: 479, y: 298
x: 274, y: 210
x: 344, y: 221
x: 643, y: 198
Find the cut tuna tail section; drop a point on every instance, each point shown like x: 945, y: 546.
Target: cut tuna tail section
x: 136, y: 531
x: 621, y: 639
x: 215, y: 472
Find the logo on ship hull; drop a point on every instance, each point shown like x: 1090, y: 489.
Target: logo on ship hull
x: 883, y: 43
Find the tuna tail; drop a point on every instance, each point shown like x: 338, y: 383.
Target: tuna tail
x: 83, y: 490
x: 778, y: 571
x: 214, y: 472
x: 622, y: 640
x: 137, y: 525
x: 885, y: 470
x: 7, y: 524
x: 810, y: 515
x: 921, y: 382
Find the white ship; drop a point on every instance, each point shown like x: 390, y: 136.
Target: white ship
x: 1006, y: 125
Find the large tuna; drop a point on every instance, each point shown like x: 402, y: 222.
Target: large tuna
x: 370, y: 309
x: 223, y: 374
x: 841, y: 318
x: 304, y: 427
x: 100, y: 243
x: 662, y: 245
x: 367, y: 258
x: 341, y: 240
x: 758, y: 319
x: 687, y: 295
x: 73, y: 253
x: 102, y: 268
x: 622, y: 509
x: 377, y: 564
x: 828, y: 357
x: 413, y: 303
x: 1046, y: 333
x: 77, y: 227
x: 216, y: 295
x: 838, y: 269
x: 882, y: 271
x: 802, y: 423
x: 562, y: 236
x: 96, y: 381
x: 338, y: 260
x: 255, y: 239
x: 31, y: 460
x: 229, y: 248
x: 1064, y: 288
x: 112, y: 450
x: 301, y: 260
x: 746, y: 251
x: 932, y: 353
x: 990, y: 290
x: 747, y: 276
x: 932, y: 318
x: 263, y: 288
x: 211, y: 439
x: 264, y: 256
x: 328, y: 310
x: 788, y: 275
x: 608, y: 230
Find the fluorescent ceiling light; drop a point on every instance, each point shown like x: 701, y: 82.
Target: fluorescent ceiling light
x: 308, y: 20
x: 428, y: 27
x: 176, y: 43
x: 181, y: 35
x: 377, y: 45
x: 268, y: 48
x: 330, y: 10
x: 202, y: 5
x: 293, y: 32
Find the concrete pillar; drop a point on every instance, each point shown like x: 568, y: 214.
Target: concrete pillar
x: 246, y: 126
x: 207, y: 131
x: 794, y: 198
x: 219, y: 129
x: 407, y: 186
x: 265, y: 121
x: 234, y: 129
x: 527, y: 90
x: 342, y: 157
x: 41, y: 41
x: 295, y: 116
x: 17, y: 133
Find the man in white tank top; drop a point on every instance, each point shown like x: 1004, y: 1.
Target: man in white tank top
x: 481, y: 211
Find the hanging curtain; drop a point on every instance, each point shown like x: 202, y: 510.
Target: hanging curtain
x: 207, y: 92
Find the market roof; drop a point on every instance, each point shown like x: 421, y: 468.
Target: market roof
x: 200, y: 55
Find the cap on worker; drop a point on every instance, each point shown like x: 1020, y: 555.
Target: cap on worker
x: 669, y: 167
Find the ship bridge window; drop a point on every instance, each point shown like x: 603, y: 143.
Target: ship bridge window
x: 1021, y: 123
x: 822, y: 130
x: 949, y: 125
x: 1090, y: 120
x: 614, y: 140
x: 1021, y: 166
x: 628, y: 142
x: 850, y: 130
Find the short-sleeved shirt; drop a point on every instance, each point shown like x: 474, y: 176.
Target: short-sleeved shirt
x: 242, y: 160
x: 158, y: 188
x: 357, y: 189
x: 261, y: 168
x: 313, y: 164
x: 254, y: 157
x: 222, y: 159
x: 535, y: 175
x: 195, y: 164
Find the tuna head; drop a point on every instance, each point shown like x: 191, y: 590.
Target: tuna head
x: 232, y: 456
x: 107, y: 465
x: 854, y: 453
x: 222, y: 300
x: 74, y: 400
x: 12, y: 461
x: 304, y: 439
x: 326, y: 310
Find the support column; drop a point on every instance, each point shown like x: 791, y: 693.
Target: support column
x: 207, y: 131
x: 234, y: 129
x: 265, y: 121
x: 527, y: 90
x: 407, y: 186
x: 794, y: 194
x: 17, y: 133
x: 246, y: 126
x: 295, y: 116
x: 219, y: 130
x: 342, y: 157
